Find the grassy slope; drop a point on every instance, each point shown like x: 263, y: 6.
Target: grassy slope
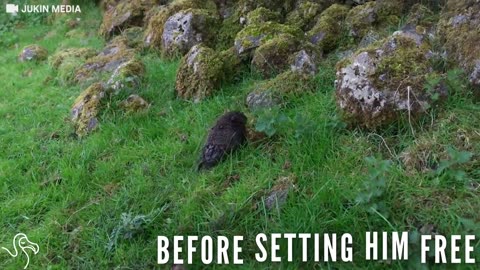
x: 70, y: 194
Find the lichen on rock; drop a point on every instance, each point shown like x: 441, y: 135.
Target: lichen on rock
x: 379, y: 84
x: 262, y: 100
x: 127, y: 76
x: 157, y: 19
x: 187, y: 28
x: 306, y: 59
x: 33, y: 52
x: 200, y: 73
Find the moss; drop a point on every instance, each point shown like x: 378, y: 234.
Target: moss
x: 233, y: 64
x: 123, y: 15
x: 408, y: 64
x: 328, y: 30
x: 33, y: 53
x: 100, y: 66
x: 385, y: 8
x: 202, y: 28
x: 361, y: 19
x: 387, y: 81
x: 289, y: 82
x: 134, y: 103
x: 459, y: 31
x: 133, y: 36
x: 253, y: 36
x: 430, y: 148
x: 200, y: 73
x: 127, y: 76
x: 227, y: 32
x: 86, y: 108
x: 68, y: 61
x: 421, y: 15
x: 156, y: 22
x: 304, y: 15
x: 76, y: 33
x: 273, y: 57
x: 262, y: 15
x: 78, y: 53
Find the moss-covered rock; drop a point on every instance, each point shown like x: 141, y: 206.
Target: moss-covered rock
x: 327, y: 31
x: 123, y: 15
x: 33, y: 52
x: 68, y: 60
x: 306, y: 59
x: 235, y: 16
x: 134, y: 103
x: 379, y: 84
x: 289, y: 82
x: 421, y: 15
x: 57, y: 59
x: 275, y: 91
x: 387, y: 8
x: 132, y: 37
x: 200, y: 73
x: 228, y: 29
x: 159, y: 16
x: 360, y: 19
x: 459, y: 30
x: 101, y: 66
x: 127, y: 76
x: 304, y: 15
x: 253, y: 36
x: 187, y: 28
x: 266, y: 99
x: 86, y: 108
x: 262, y: 15
x: 234, y: 65
x: 272, y: 57
x: 374, y: 17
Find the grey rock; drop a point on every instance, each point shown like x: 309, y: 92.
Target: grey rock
x: 262, y: 100
x: 33, y: 53
x: 370, y: 98
x: 186, y: 29
x: 304, y: 62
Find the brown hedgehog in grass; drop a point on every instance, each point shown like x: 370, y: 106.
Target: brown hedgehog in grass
x: 228, y: 134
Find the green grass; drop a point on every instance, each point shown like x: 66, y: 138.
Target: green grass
x: 69, y: 195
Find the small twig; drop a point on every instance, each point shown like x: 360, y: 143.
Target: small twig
x: 410, y: 110
x: 385, y: 143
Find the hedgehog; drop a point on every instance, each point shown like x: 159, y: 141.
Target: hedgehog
x: 228, y: 134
